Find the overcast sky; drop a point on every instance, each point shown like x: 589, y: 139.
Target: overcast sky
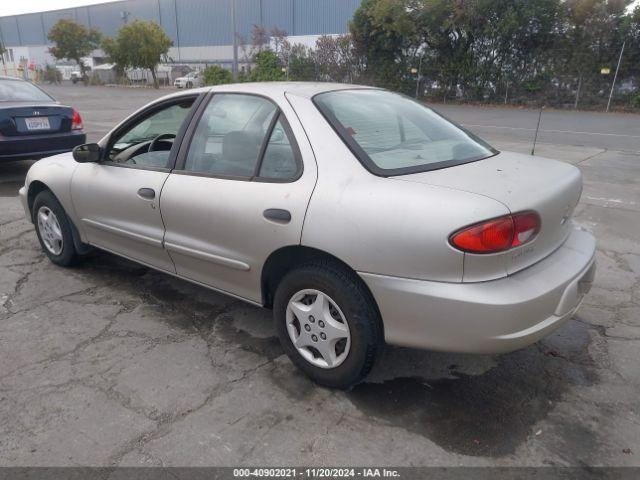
x: 12, y: 7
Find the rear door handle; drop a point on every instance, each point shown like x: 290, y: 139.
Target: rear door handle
x: 147, y: 193
x: 277, y: 215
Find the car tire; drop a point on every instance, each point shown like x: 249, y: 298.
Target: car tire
x: 348, y: 301
x: 53, y: 228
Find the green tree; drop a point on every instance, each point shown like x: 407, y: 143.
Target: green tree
x: 381, y: 43
x: 217, y: 75
x: 139, y: 44
x: 115, y: 55
x: 266, y: 67
x: 592, y: 40
x: 630, y: 65
x: 73, y: 41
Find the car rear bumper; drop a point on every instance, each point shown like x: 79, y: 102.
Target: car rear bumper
x: 487, y: 317
x: 38, y: 146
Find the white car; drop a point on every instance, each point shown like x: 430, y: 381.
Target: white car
x: 190, y: 80
x: 361, y: 217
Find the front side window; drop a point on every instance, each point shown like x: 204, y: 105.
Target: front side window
x: 394, y: 135
x: 148, y: 142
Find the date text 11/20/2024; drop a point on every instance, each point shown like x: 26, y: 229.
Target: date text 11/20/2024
x: 321, y: 472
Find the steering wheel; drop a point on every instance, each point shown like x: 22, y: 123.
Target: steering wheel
x: 155, y: 141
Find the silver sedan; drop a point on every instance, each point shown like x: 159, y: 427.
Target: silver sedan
x: 358, y: 215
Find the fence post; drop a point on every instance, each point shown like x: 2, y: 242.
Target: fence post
x: 418, y: 79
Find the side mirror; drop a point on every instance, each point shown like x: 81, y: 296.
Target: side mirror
x: 87, y: 153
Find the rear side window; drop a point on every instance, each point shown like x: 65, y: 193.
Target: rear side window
x: 229, y: 135
x: 279, y: 160
x: 19, y: 91
x: 394, y: 135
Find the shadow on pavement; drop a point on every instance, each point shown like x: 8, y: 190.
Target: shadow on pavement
x: 488, y: 412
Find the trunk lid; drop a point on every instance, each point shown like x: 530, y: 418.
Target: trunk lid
x: 520, y: 182
x: 27, y: 118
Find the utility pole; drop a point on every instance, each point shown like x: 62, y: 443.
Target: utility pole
x: 615, y: 76
x: 234, y: 66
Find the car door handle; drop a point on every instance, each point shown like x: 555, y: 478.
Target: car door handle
x: 277, y: 215
x: 147, y: 193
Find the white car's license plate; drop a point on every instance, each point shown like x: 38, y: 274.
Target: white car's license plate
x: 37, y: 123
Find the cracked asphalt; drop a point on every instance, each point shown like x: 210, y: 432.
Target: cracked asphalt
x: 110, y: 363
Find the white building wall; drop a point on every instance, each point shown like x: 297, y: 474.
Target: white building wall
x: 38, y: 57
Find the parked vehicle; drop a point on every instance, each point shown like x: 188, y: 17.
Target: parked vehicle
x: 358, y: 215
x: 33, y: 124
x: 76, y: 76
x: 190, y: 80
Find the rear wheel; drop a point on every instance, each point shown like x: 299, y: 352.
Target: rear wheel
x: 54, y: 229
x: 327, y: 324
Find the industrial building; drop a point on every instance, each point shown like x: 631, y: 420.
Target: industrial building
x: 201, y: 30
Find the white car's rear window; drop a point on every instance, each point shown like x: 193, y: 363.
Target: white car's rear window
x: 393, y: 135
x: 19, y: 91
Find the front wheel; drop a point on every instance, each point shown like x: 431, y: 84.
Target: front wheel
x: 54, y: 229
x: 327, y: 324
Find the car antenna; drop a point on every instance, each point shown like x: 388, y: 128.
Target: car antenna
x: 535, y: 138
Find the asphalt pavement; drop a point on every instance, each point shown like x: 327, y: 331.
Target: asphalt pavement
x: 609, y: 131
x: 110, y: 363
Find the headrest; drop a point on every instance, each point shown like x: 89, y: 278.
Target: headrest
x: 240, y: 146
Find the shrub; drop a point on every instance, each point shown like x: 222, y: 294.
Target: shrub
x: 95, y: 79
x: 217, y: 75
x: 52, y: 74
x: 266, y: 67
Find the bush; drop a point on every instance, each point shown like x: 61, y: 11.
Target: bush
x: 52, y: 75
x: 95, y: 79
x: 302, y: 68
x: 266, y: 68
x: 216, y: 75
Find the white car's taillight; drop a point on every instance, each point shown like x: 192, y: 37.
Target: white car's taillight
x: 497, y: 234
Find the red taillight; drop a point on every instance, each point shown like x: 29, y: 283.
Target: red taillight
x: 76, y: 123
x: 497, y: 234
x: 526, y: 226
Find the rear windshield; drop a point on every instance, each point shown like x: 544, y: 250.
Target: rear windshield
x: 19, y: 91
x: 393, y: 135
